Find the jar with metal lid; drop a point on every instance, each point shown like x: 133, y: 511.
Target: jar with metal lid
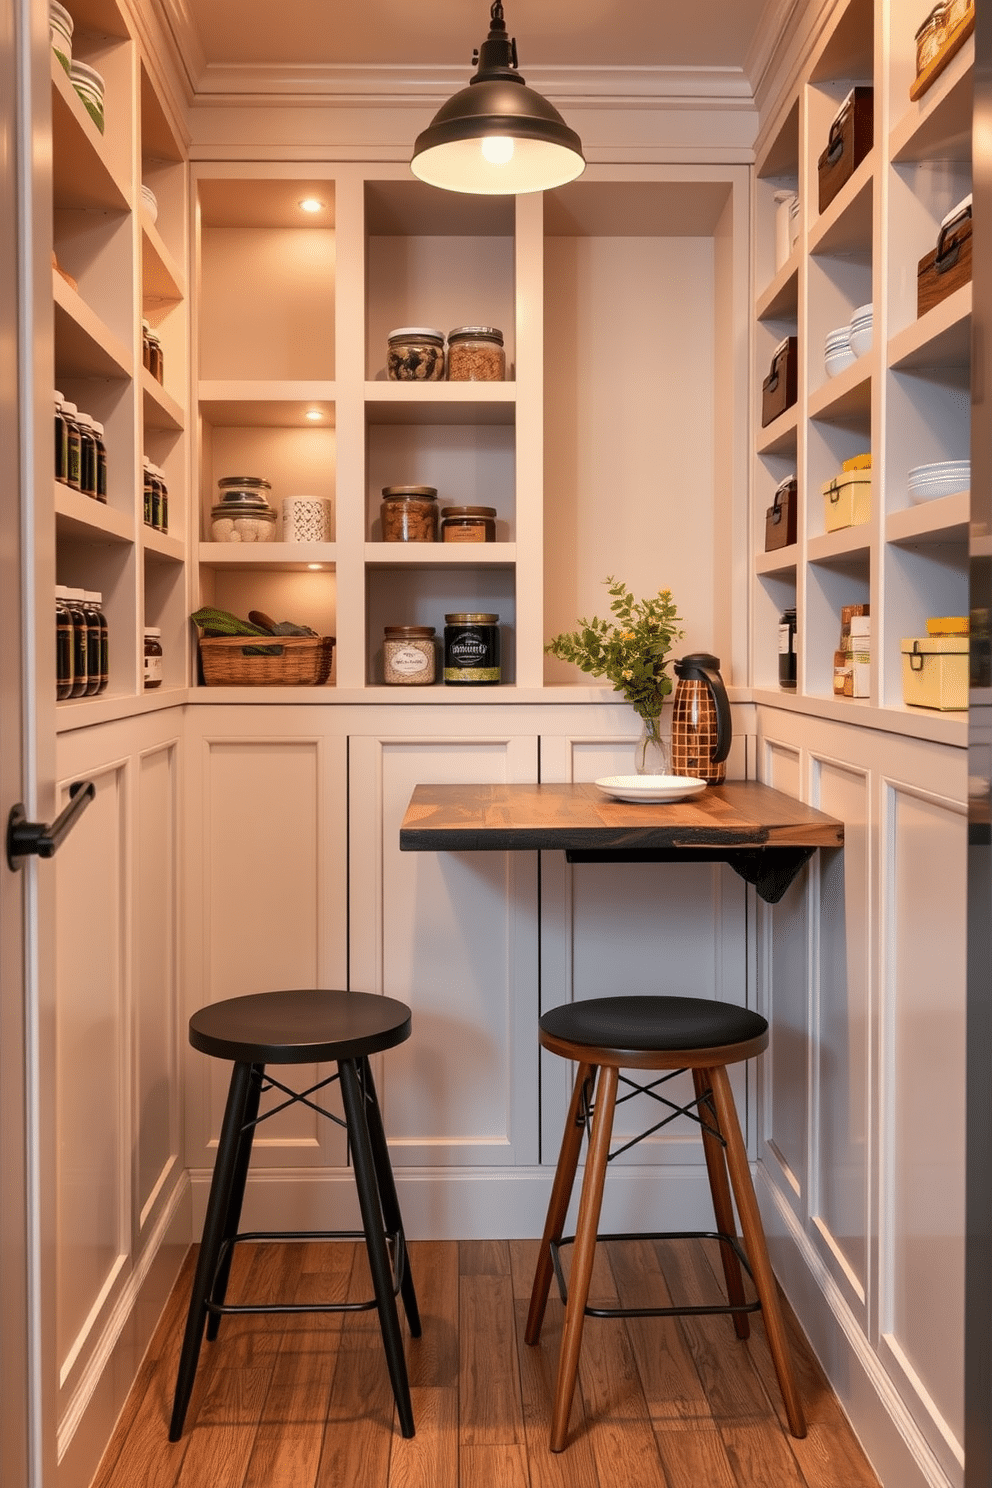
x: 475, y: 354
x: 409, y: 514
x: 153, y: 656
x: 146, y: 349
x: 148, y: 490
x: 468, y: 524
x: 931, y: 36
x: 94, y: 599
x: 787, y: 650
x: 93, y: 648
x: 471, y: 649
x: 415, y: 354
x: 156, y: 359
x: 73, y: 599
x: 101, y: 462
x: 243, y: 513
x: 87, y: 455
x: 408, y: 655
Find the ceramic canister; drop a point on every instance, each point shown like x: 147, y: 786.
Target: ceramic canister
x: 306, y: 519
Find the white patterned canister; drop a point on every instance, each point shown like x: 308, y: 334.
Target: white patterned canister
x: 306, y: 519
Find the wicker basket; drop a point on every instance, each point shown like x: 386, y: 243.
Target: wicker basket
x: 257, y: 661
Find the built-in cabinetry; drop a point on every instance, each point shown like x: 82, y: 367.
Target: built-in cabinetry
x: 906, y: 400
x: 125, y: 267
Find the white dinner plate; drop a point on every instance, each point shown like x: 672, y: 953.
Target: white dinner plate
x: 650, y: 787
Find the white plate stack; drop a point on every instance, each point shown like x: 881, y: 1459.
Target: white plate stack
x: 837, y: 353
x: 861, y: 329
x: 944, y: 478
x: 149, y: 201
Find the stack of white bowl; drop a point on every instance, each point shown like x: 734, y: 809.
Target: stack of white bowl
x: 149, y: 201
x: 943, y: 478
x: 88, y: 83
x: 837, y: 353
x: 60, y: 31
x: 861, y: 329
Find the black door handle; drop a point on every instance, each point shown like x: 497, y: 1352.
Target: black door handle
x: 25, y: 838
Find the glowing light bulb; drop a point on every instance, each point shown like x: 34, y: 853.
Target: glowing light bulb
x: 311, y: 204
x: 315, y: 414
x: 497, y: 149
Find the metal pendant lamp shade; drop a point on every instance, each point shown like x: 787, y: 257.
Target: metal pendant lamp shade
x: 497, y: 137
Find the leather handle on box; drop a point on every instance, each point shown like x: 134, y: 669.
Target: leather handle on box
x: 947, y: 257
x: 835, y: 139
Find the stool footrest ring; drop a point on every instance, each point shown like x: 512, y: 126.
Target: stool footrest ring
x: 686, y: 1310
x: 394, y: 1240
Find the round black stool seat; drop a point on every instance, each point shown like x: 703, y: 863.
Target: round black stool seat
x: 648, y: 1023
x: 302, y: 1027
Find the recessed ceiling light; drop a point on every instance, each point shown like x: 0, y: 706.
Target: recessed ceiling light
x: 316, y: 567
x: 315, y: 415
x: 311, y: 204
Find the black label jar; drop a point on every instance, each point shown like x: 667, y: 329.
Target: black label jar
x: 787, y: 650
x: 64, y: 646
x: 153, y: 656
x: 415, y: 354
x: 61, y: 442
x: 471, y: 650
x: 409, y: 514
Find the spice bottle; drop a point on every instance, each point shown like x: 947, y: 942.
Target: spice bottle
x: 156, y: 360
x: 149, y: 491
x: 95, y: 601
x: 87, y: 455
x: 153, y: 656
x: 64, y: 672
x: 72, y: 444
x: 468, y: 524
x: 415, y: 354
x: 475, y: 354
x: 408, y: 655
x: 61, y: 442
x: 146, y: 350
x: 471, y: 649
x: 80, y: 639
x: 409, y: 514
x: 101, y: 463
x: 93, y: 642
x: 787, y: 650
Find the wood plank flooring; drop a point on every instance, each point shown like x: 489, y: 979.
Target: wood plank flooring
x: 304, y: 1401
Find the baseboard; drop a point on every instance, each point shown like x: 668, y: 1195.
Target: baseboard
x: 466, y: 1203
x: 88, y: 1422
x: 880, y: 1418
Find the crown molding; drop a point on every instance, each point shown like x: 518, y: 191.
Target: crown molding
x: 177, y: 25
x: 220, y: 84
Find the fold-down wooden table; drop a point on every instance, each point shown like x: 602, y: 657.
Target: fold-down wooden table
x: 763, y: 834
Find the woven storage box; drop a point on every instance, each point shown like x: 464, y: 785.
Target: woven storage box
x: 256, y: 661
x: 935, y: 672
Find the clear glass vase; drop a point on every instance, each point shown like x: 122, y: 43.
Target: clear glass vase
x: 651, y: 752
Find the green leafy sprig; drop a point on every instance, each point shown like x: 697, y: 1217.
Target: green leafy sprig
x: 631, y: 650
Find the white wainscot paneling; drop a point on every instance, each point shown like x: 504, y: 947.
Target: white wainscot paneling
x: 93, y: 1189
x: 156, y: 1089
x: 923, y: 1127
x: 274, y: 835
x: 454, y: 935
x: 842, y: 1032
x: 786, y: 976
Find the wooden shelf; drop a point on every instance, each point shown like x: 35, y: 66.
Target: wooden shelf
x: 291, y: 557
x: 80, y: 517
x: 84, y: 346
x: 780, y: 560
x: 440, y: 555
x: 162, y: 280
x: 940, y: 338
x: 264, y: 405
x: 940, y: 521
x: 840, y: 546
x: 82, y: 174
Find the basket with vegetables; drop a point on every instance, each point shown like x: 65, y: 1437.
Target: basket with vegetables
x: 259, y: 651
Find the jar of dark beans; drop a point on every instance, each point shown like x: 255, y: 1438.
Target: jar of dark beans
x: 415, y: 354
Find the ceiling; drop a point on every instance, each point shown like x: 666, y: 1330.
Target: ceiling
x: 563, y: 37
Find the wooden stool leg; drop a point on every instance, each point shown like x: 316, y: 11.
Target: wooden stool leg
x: 757, y: 1249
x: 561, y: 1193
x: 218, y: 1208
x: 375, y: 1240
x: 590, y: 1205
x: 723, y: 1209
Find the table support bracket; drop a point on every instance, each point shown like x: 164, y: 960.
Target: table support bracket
x: 770, y: 869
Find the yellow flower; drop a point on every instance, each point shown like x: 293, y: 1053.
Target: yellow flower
x: 626, y: 635
x: 626, y: 674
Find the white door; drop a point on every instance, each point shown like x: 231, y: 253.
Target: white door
x: 27, y: 1396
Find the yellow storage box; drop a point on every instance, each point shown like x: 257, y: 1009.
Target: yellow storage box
x: 847, y: 500
x: 935, y: 672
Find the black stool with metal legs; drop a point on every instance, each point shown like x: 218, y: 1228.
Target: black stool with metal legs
x: 302, y: 1027
x: 667, y: 1034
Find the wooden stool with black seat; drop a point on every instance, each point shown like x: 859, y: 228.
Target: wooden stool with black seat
x: 301, y: 1027
x: 605, y: 1035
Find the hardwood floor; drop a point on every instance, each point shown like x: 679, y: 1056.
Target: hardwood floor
x: 304, y: 1401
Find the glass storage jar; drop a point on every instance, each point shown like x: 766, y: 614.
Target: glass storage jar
x: 243, y: 513
x: 408, y: 655
x: 409, y: 514
x: 415, y: 354
x: 61, y: 442
x: 468, y: 524
x: 471, y: 649
x: 153, y: 656
x: 64, y: 641
x: 787, y: 650
x: 475, y: 354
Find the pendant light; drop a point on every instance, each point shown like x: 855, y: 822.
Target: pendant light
x: 497, y: 137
